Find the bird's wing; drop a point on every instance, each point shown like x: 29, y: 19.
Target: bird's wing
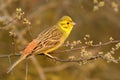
x: 49, y: 40
x: 46, y: 45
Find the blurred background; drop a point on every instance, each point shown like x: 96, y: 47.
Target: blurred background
x: 98, y: 18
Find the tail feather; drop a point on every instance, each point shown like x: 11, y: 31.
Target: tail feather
x: 22, y: 57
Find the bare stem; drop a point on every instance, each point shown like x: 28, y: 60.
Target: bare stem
x: 38, y: 67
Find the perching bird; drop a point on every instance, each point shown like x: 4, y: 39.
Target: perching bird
x: 48, y: 40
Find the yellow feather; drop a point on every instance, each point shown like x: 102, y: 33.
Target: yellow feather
x: 48, y: 40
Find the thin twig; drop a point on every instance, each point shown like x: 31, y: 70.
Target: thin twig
x: 9, y: 59
x: 68, y: 50
x: 106, y: 43
x: 82, y: 60
x: 57, y: 68
x: 38, y: 67
x: 26, y: 72
x: 9, y: 55
x: 95, y: 45
x: 78, y: 60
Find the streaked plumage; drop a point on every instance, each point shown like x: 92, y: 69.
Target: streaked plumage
x: 48, y: 40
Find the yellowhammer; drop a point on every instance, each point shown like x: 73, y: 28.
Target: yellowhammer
x: 48, y: 40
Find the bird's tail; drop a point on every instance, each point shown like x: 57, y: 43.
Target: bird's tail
x: 22, y: 57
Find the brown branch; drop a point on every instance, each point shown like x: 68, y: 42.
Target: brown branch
x: 38, y: 67
x: 8, y: 23
x: 58, y: 68
x: 26, y: 71
x: 95, y: 45
x: 10, y: 55
x: 77, y: 60
x: 68, y: 50
x: 82, y: 60
x: 106, y: 43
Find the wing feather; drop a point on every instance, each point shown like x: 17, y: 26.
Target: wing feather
x: 48, y: 40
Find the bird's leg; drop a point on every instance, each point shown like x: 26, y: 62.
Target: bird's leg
x: 50, y: 56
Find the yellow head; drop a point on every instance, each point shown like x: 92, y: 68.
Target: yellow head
x: 66, y: 24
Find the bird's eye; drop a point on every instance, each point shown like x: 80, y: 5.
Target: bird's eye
x: 68, y: 23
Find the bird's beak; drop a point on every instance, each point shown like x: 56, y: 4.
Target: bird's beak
x: 74, y: 23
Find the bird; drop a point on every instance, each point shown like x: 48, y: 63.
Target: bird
x: 48, y: 40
